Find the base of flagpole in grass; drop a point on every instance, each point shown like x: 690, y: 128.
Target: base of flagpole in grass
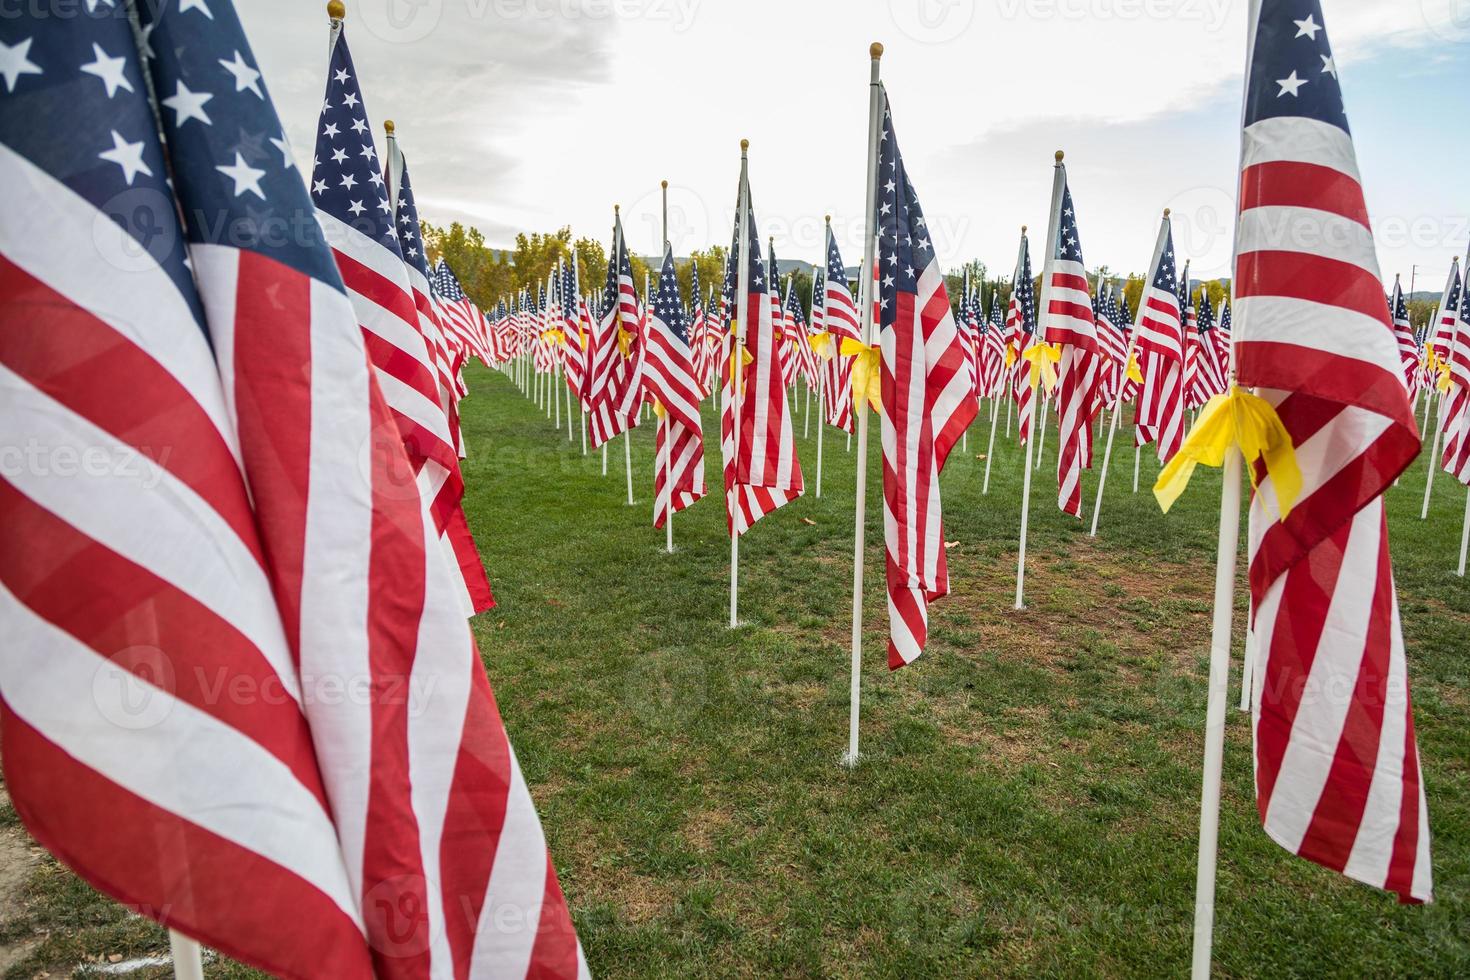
x: 1137, y: 455
x: 990, y: 451
x: 628, y: 461
x: 604, y: 459
x: 1433, y: 462
x: 1248, y: 670
x: 1025, y: 522
x: 1465, y: 535
x: 1226, y: 548
x: 187, y: 956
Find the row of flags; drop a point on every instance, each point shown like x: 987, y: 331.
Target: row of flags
x: 1294, y: 335
x: 313, y: 534
x: 279, y: 358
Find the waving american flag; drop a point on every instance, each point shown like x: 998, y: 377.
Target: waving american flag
x: 1068, y: 319
x: 1020, y: 332
x: 379, y: 835
x: 1403, y: 330
x: 927, y: 400
x: 669, y: 375
x: 838, y: 321
x: 1160, y: 343
x: 1336, y: 764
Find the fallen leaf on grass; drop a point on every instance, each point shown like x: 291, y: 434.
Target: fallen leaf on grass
x: 808, y: 520
x: 950, y: 544
x: 981, y: 456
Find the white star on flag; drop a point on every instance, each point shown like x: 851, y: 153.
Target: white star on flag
x: 188, y: 105
x: 246, y: 177
x: 1290, y: 84
x: 109, y: 69
x: 245, y: 76
x: 15, y: 63
x: 127, y: 155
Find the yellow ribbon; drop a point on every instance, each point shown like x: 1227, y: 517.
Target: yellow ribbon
x: 553, y: 337
x: 1010, y: 355
x: 1443, y: 384
x: 746, y: 359
x: 658, y: 409
x: 1044, y: 359
x: 822, y: 345
x: 625, y: 340
x: 1241, y: 420
x: 867, y: 379
x: 1135, y: 374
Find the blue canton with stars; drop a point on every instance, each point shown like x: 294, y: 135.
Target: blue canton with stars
x: 74, y: 104
x: 1225, y: 316
x: 1206, y: 315
x: 1291, y: 71
x: 835, y: 272
x: 904, y: 249
x: 448, y: 283
x: 233, y: 171
x: 1025, y: 290
x: 346, y: 179
x: 408, y: 226
x: 1067, y: 246
x: 667, y: 305
x: 1164, y: 275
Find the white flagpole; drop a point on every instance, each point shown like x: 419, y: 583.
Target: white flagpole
x: 1102, y: 480
x: 737, y: 360
x: 187, y: 956
x: 1045, y: 414
x: 821, y: 369
x: 1433, y: 454
x: 668, y: 433
x: 990, y: 451
x: 1248, y: 667
x: 1137, y: 452
x: 1219, y: 680
x: 1058, y: 183
x: 860, y: 405
x: 1464, y: 534
x: 821, y: 423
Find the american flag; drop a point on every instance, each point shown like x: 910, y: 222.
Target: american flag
x: 1160, y: 342
x: 669, y: 376
x: 927, y: 400
x: 1207, y: 377
x: 1404, y: 331
x: 1221, y: 337
x: 353, y: 206
x: 464, y: 321
x: 968, y: 327
x: 797, y: 333
x: 616, y: 383
x: 1020, y: 330
x: 1456, y: 407
x: 702, y: 355
x: 839, y: 321
x: 787, y: 341
x: 1069, y: 320
x: 574, y: 326
x: 993, y: 350
x: 763, y: 473
x: 1112, y: 344
x: 272, y: 545
x: 1336, y: 765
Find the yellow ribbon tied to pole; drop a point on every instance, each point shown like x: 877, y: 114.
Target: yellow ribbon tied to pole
x: 822, y: 345
x: 1044, y: 359
x: 1443, y: 384
x: 625, y: 341
x: 1237, y: 420
x: 1135, y: 374
x: 867, y: 379
x: 553, y: 337
x: 746, y: 360
x: 1010, y: 355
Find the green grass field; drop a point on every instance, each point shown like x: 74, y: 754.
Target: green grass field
x: 1029, y: 793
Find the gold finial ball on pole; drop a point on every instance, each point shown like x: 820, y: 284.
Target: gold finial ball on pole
x: 1166, y: 212
x: 876, y: 50
x: 829, y: 219
x: 664, y: 184
x: 1060, y: 154
x: 388, y: 126
x: 1023, y: 229
x: 337, y: 10
x: 744, y: 145
x: 616, y: 207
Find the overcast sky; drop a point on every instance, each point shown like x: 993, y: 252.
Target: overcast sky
x: 532, y: 114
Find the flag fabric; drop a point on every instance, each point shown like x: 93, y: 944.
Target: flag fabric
x: 1160, y: 342
x: 1020, y: 332
x: 1223, y: 350
x: 993, y: 350
x: 701, y: 355
x: 1404, y: 331
x: 616, y: 384
x: 926, y: 400
x: 455, y: 528
x: 796, y: 326
x: 1112, y: 346
x: 465, y: 322
x: 670, y: 377
x: 762, y: 472
x: 353, y: 206
x: 1336, y: 764
x: 839, y: 322
x: 574, y: 333
x: 1456, y: 405
x: 273, y: 545
x: 1443, y: 331
x: 1070, y: 321
x: 1206, y: 378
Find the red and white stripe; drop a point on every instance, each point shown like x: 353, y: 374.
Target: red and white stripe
x: 1337, y: 773
x: 1068, y: 319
